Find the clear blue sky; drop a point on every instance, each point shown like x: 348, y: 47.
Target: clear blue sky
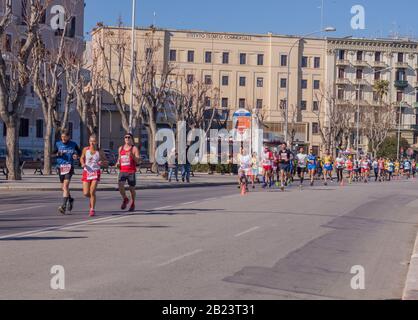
x: 261, y: 16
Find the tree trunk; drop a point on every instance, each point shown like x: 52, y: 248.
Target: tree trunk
x: 48, y: 146
x: 12, y: 147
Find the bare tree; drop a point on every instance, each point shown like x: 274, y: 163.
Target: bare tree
x: 292, y: 121
x: 15, y: 73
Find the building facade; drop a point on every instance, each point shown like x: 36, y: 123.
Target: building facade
x: 32, y: 122
x: 255, y: 72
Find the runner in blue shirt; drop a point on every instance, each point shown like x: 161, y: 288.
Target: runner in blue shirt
x: 66, y: 151
x: 312, y: 165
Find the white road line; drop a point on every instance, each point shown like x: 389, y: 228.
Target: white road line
x: 180, y: 257
x: 162, y: 208
x: 246, y: 232
x: 187, y: 203
x: 22, y: 209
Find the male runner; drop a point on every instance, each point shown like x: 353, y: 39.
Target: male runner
x: 284, y: 164
x: 66, y: 151
x: 129, y: 158
x: 302, y: 162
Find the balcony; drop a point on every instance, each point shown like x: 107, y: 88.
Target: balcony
x: 342, y: 63
x: 379, y: 64
x: 414, y: 127
x: 342, y: 102
x: 361, y: 64
x: 402, y: 65
x: 361, y: 82
x: 343, y: 81
x: 401, y: 84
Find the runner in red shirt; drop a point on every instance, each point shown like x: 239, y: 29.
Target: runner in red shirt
x: 128, y: 160
x: 267, y: 161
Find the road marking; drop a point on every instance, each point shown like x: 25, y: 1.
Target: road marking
x: 180, y: 257
x: 246, y: 232
x: 21, y: 209
x: 187, y: 203
x: 162, y: 208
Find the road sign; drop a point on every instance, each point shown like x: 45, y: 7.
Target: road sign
x: 242, y: 125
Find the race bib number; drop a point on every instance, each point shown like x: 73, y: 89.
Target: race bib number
x: 125, y: 161
x: 92, y: 175
x: 65, y: 169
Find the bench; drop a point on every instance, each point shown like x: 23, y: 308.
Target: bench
x: 3, y: 168
x: 33, y: 165
x: 147, y: 166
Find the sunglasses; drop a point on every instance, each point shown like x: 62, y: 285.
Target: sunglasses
x: 128, y: 137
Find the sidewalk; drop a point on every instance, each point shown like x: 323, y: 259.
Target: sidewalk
x: 108, y: 182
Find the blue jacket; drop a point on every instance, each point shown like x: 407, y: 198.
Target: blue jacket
x: 68, y: 150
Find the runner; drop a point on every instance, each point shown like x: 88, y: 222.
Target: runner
x: 407, y: 168
x: 365, y: 169
x: 302, y: 162
x: 350, y: 169
x: 391, y: 169
x: 312, y: 166
x: 254, y: 167
x: 356, y: 169
x: 128, y: 160
x: 381, y: 169
x: 92, y: 159
x: 397, y: 169
x: 339, y: 165
x: 328, y: 161
x: 267, y: 162
x: 375, y: 166
x: 245, y: 166
x: 67, y: 151
x: 284, y: 165
x: 414, y: 168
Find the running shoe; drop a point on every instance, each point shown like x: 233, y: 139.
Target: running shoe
x: 61, y: 209
x: 124, y: 204
x: 70, y: 204
x: 92, y: 213
x: 132, y: 207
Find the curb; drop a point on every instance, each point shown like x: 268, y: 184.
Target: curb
x: 115, y: 188
x: 411, y: 285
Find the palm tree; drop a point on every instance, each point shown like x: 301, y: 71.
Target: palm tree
x: 381, y: 87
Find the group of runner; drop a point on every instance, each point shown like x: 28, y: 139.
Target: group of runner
x: 280, y: 167
x: 92, y: 159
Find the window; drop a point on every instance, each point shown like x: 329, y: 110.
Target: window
x: 224, y: 103
x: 340, y: 94
x: 341, y: 55
x: 303, y: 105
x: 39, y: 128
x: 400, y: 75
x: 283, y: 83
x: 260, y: 59
x: 173, y: 55
x: 304, y: 84
x: 359, y: 74
x: 208, y: 79
x: 260, y: 82
x: 304, y: 62
x: 283, y: 104
x: 225, y: 80
x: 377, y: 56
x: 316, y: 84
x: 70, y: 30
x: 359, y: 55
x: 359, y: 94
x: 259, y: 103
x: 190, y: 56
x: 241, y: 103
x: 24, y: 127
x: 208, y: 57
x: 315, y: 106
x: 283, y: 60
x: 375, y: 96
x: 399, y: 96
x: 8, y: 43
x: 315, y: 128
x: 190, y: 78
x: 317, y: 62
x: 400, y: 57
x: 225, y: 57
x: 4, y: 130
x: 207, y: 102
x: 242, y: 81
x: 243, y: 58
x: 341, y: 73
x: 148, y: 54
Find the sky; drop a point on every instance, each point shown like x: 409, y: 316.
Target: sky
x: 383, y: 18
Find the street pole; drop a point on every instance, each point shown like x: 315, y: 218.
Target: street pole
x: 399, y: 131
x: 358, y: 121
x: 132, y: 65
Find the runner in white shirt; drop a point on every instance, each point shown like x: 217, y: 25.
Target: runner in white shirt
x: 302, y: 159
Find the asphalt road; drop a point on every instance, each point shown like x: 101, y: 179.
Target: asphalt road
x: 212, y: 243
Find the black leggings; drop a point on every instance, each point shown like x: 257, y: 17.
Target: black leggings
x: 340, y: 174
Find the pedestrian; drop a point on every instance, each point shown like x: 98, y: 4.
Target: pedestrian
x: 173, y: 165
x: 128, y: 160
x: 67, y: 152
x: 92, y: 160
x: 185, y: 173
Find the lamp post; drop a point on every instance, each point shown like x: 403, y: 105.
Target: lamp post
x: 132, y: 65
x: 286, y: 125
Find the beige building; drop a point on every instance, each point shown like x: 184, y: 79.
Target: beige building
x: 353, y: 66
x: 250, y: 71
x: 32, y: 123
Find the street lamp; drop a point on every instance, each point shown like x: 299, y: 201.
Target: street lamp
x: 286, y: 125
x: 132, y: 65
x: 358, y: 106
